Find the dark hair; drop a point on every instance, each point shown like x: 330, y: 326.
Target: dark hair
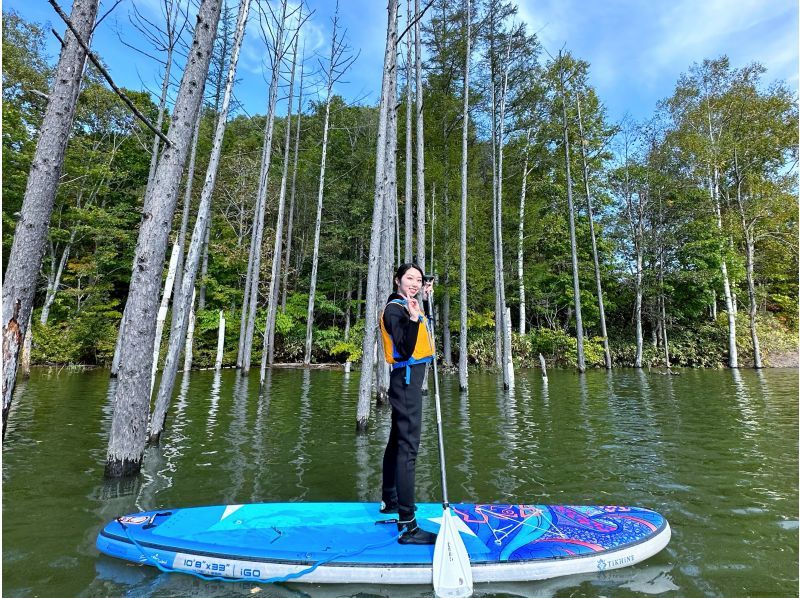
x: 402, y: 270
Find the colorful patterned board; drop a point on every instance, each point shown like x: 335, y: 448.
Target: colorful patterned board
x: 349, y: 543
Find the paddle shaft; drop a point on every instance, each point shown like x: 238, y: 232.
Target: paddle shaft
x: 428, y: 326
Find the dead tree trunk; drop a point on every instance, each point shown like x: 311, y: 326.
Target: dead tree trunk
x: 378, y: 226
x: 220, y: 341
x: 408, y: 252
x: 246, y: 296
x: 251, y: 286
x: 201, y: 297
x: 185, y: 299
x: 507, y: 362
x: 462, y: 341
x: 171, y: 32
x: 573, y: 245
x: 27, y: 345
x: 268, y: 352
x: 188, y: 349
x: 290, y: 226
x: 603, y: 332
x: 338, y: 64
x: 385, y: 276
x: 420, y: 142
x: 162, y: 312
x: 187, y: 203
x: 129, y: 422
x: 30, y: 235
x: 52, y: 287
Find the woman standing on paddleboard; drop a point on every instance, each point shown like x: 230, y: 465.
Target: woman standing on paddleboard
x: 407, y: 348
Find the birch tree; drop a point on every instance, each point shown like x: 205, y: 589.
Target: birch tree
x: 378, y: 229
x: 27, y: 250
x: 186, y: 292
x: 521, y: 235
x: 707, y: 82
x: 762, y: 139
x: 662, y: 300
x: 129, y: 421
x: 697, y: 107
x: 338, y: 63
x: 636, y: 200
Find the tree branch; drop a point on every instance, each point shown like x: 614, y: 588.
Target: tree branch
x: 416, y: 19
x: 107, y: 76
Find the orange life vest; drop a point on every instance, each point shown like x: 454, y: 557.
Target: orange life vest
x: 423, y: 350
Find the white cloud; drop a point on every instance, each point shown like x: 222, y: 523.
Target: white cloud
x: 689, y: 27
x: 637, y: 49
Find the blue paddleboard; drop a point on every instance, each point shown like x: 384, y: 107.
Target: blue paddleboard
x: 353, y: 543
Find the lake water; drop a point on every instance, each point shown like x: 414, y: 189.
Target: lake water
x: 714, y: 451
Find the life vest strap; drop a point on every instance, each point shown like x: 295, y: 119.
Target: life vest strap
x: 408, y: 363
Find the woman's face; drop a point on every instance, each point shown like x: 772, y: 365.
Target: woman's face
x: 410, y: 284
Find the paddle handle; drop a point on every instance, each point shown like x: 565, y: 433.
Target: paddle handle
x: 431, y: 336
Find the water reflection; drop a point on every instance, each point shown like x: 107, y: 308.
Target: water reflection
x: 646, y: 579
x: 506, y: 479
x: 715, y: 451
x: 747, y: 413
x: 235, y: 437
x: 304, y: 424
x: 466, y: 466
x: 260, y: 439
x: 585, y: 415
x: 211, y: 421
x: 364, y: 471
x: 174, y: 436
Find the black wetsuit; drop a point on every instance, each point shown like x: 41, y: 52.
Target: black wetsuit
x: 400, y: 457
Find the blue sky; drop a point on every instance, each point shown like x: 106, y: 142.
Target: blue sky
x: 636, y: 49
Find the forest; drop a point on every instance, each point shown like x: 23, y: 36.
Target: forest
x: 196, y: 235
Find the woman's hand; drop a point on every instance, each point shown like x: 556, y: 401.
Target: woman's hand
x: 427, y: 289
x: 413, y: 309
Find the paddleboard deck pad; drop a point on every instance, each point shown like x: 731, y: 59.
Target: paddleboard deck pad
x: 352, y: 543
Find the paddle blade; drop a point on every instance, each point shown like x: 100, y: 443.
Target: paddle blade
x: 452, y: 575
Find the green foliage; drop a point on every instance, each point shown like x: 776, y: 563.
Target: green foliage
x: 346, y: 351
x: 561, y: 348
x: 648, y: 182
x: 87, y: 338
x: 477, y: 320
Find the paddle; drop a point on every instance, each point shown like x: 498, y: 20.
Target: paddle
x: 452, y: 575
